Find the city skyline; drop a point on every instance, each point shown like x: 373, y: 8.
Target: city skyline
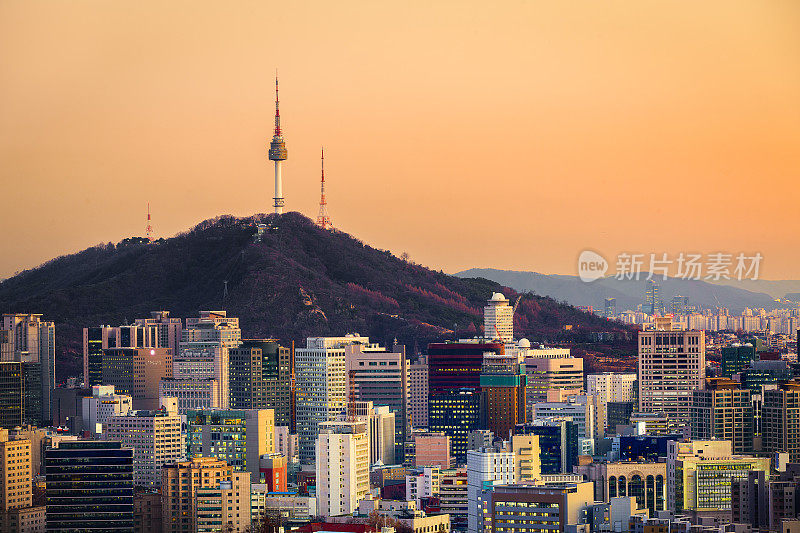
x: 599, y: 119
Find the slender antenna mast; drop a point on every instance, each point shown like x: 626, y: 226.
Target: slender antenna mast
x: 323, y: 220
x: 149, y: 230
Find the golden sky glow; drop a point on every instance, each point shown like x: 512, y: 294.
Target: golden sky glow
x: 510, y: 134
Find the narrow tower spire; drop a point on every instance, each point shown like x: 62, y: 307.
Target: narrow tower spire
x: 277, y: 109
x: 323, y: 220
x: 149, y: 229
x: 278, y: 154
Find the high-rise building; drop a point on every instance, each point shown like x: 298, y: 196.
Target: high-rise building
x: 167, y: 329
x: 610, y: 307
x: 503, y: 383
x: 735, y: 358
x: 672, y: 364
x: 147, y: 512
x: 580, y: 409
x: 780, y: 420
x: 102, y: 405
x: 761, y: 373
x: 527, y: 458
x: 480, y: 438
x: 457, y: 365
x: 700, y: 474
x: 73, y: 467
x: 558, y: 443
x: 609, y: 387
x: 192, y: 394
x: 12, y: 394
x: 498, y: 319
x: 100, y: 338
x: 260, y: 374
x: 381, y: 377
x: 239, y: 436
x: 652, y: 298
x: 619, y: 414
x: 137, y: 372
x: 485, y: 468
x: 432, y: 449
x: 453, y: 497
x: 381, y: 429
x: 455, y: 413
x: 612, y: 386
x: 342, y: 467
x: 179, y: 485
x: 15, y: 477
x: 225, y: 507
x: 723, y: 410
x: 321, y: 387
x: 680, y: 305
x: 418, y: 392
x: 422, y: 483
x: 27, y: 339
x: 205, y: 350
x: 763, y: 503
x: 155, y: 437
x: 553, y: 373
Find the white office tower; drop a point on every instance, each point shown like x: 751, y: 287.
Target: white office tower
x: 155, y: 437
x: 102, y: 405
x: 580, y: 409
x: 321, y: 387
x: 609, y: 387
x: 204, y: 353
x: 422, y: 483
x: 380, y: 422
x: 487, y: 466
x: 672, y: 364
x: 342, y: 467
x: 26, y: 338
x: 498, y: 319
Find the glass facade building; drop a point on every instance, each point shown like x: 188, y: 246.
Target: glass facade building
x: 89, y: 487
x: 455, y: 414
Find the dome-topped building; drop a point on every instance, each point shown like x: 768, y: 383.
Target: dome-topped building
x: 498, y: 319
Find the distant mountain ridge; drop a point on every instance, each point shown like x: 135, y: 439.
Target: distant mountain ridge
x: 298, y: 281
x: 629, y: 293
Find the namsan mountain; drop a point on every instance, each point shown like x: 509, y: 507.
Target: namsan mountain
x: 289, y: 281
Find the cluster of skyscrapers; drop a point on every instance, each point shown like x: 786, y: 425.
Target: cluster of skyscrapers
x: 183, y: 425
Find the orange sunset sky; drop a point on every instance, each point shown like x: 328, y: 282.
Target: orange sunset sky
x: 509, y: 134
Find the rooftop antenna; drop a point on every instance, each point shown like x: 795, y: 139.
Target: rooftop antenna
x: 323, y: 220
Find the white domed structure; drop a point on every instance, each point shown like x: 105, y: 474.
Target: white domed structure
x: 524, y: 343
x: 498, y: 297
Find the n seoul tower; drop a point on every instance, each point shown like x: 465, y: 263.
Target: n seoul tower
x: 277, y: 153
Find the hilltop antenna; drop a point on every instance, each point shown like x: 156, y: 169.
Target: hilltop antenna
x: 149, y: 229
x: 323, y: 220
